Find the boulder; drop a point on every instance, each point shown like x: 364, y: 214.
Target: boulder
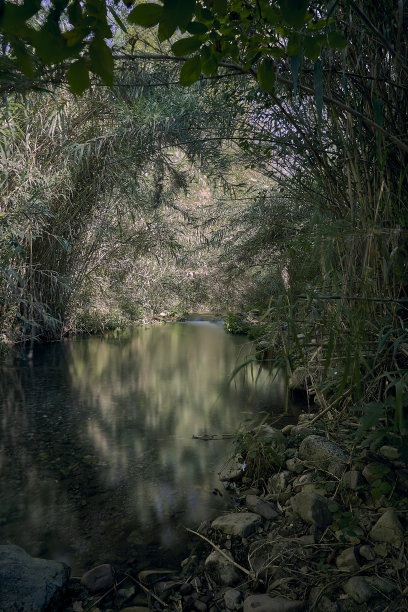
x: 388, y: 529
x: 99, y: 578
x: 233, y: 599
x: 312, y: 508
x: 323, y: 454
x: 260, y: 506
x: 238, y: 523
x: 28, y: 583
x: 221, y: 570
x: 266, y: 603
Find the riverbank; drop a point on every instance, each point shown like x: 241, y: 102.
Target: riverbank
x: 320, y: 523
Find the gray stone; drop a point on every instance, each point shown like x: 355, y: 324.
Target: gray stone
x: 260, y: 506
x: 390, y: 452
x: 387, y: 587
x: 99, y: 578
x: 233, y: 599
x: 295, y: 465
x: 377, y: 471
x: 239, y: 523
x: 353, y: 479
x: 312, y: 508
x: 347, y: 561
x: 262, y: 558
x: 359, y: 589
x: 388, y: 529
x: 271, y: 437
x: 266, y: 603
x: 221, y: 570
x: 367, y: 552
x: 278, y: 482
x: 28, y: 583
x: 232, y: 471
x: 323, y: 454
x: 364, y: 588
x: 287, y: 430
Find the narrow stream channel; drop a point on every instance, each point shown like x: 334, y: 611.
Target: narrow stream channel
x: 97, y: 457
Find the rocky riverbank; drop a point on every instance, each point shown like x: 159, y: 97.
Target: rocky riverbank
x: 320, y: 524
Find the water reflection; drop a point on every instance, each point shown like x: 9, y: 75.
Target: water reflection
x: 97, y: 459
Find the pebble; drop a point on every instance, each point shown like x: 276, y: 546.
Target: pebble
x: 265, y: 603
x: 240, y: 523
x: 99, y: 578
x: 388, y: 529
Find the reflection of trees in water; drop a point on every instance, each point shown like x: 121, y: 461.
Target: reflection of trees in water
x: 97, y: 434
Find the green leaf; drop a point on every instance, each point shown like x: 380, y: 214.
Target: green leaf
x: 293, y: 44
x: 195, y: 27
x: 337, y: 40
x: 220, y: 7
x: 209, y: 64
x: 146, y: 15
x: 294, y: 12
x: 312, y: 48
x: 191, y: 71
x: 118, y: 19
x: 78, y: 76
x: 266, y: 75
x: 101, y: 60
x: 185, y: 46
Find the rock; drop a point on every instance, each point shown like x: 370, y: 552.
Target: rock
x: 186, y: 588
x: 28, y: 583
x: 402, y: 482
x: 287, y: 430
x: 299, y: 379
x: 388, y: 529
x: 359, y: 589
x: 135, y: 609
x: 303, y: 431
x: 200, y: 606
x: 323, y: 454
x: 262, y: 558
x: 306, y: 417
x: 271, y: 437
x: 232, y: 471
x: 239, y: 523
x: 233, y: 599
x: 390, y: 452
x: 376, y: 471
x: 99, y: 578
x: 353, y: 479
x: 221, y: 570
x: 266, y: 603
x: 347, y: 561
x: 295, y: 465
x: 278, y: 482
x: 364, y: 588
x: 367, y: 552
x: 312, y: 508
x: 260, y: 506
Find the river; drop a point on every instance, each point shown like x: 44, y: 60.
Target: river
x: 98, y: 462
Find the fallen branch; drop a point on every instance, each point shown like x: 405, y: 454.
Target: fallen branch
x: 218, y: 549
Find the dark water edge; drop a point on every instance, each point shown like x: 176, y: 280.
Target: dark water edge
x: 97, y: 457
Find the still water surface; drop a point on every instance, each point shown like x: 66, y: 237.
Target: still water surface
x: 97, y: 457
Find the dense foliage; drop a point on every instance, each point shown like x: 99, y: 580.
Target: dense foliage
x: 277, y: 180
